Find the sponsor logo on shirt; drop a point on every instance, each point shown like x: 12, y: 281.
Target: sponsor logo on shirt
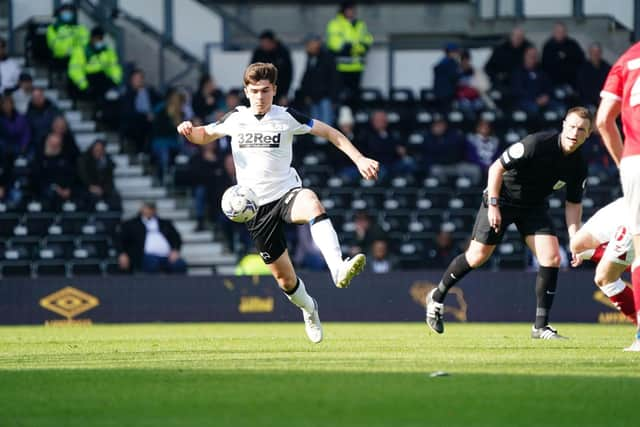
x: 259, y: 140
x: 558, y: 185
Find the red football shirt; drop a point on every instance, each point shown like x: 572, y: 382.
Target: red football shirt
x: 623, y: 84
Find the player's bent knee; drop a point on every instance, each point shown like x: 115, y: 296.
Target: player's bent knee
x: 552, y: 260
x: 476, y: 258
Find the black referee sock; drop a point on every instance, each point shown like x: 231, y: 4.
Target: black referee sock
x: 457, y: 269
x: 546, y: 283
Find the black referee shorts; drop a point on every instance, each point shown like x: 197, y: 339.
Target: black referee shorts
x: 529, y: 220
x: 267, y: 227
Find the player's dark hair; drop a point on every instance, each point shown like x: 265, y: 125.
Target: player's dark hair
x: 260, y: 71
x: 583, y: 113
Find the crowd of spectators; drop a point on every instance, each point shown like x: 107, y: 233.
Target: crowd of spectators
x: 33, y: 128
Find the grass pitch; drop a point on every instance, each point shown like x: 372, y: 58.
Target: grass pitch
x: 361, y: 375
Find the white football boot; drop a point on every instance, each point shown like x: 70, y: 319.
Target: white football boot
x: 312, y: 325
x: 635, y: 346
x: 349, y: 269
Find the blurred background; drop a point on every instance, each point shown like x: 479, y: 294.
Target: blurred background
x: 435, y: 90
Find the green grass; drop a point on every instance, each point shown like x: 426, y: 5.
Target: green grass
x: 361, y: 375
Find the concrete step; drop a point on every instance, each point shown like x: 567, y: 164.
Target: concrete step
x: 73, y: 115
x: 172, y: 214
x: 84, y: 140
x: 201, y: 250
x: 141, y: 193
x: 112, y: 148
x: 128, y: 170
x: 85, y: 126
x: 185, y: 226
x: 198, y: 237
x: 162, y: 204
x: 224, y: 270
x: 121, y: 160
x: 64, y: 104
x: 210, y: 260
x: 199, y: 271
x: 134, y: 182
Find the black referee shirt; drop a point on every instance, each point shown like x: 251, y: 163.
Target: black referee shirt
x: 536, y: 166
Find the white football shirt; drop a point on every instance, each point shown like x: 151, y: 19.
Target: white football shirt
x: 262, y: 148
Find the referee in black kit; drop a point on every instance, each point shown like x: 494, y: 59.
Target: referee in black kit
x: 518, y: 185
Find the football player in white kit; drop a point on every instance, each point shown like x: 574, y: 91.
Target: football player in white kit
x: 606, y: 240
x: 261, y: 143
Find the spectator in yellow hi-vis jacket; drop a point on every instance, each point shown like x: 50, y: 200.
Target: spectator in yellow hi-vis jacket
x: 349, y: 39
x: 64, y: 35
x: 94, y: 69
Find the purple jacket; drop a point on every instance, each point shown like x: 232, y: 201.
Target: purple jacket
x: 15, y: 133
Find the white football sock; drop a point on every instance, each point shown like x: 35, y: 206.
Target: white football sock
x: 613, y: 289
x: 301, y: 298
x: 325, y: 237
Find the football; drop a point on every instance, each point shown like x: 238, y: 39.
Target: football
x: 239, y: 203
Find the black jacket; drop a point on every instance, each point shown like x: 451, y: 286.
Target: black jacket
x: 590, y: 81
x: 320, y: 79
x: 132, y: 236
x: 504, y: 60
x: 561, y: 61
x: 281, y: 58
x: 92, y: 172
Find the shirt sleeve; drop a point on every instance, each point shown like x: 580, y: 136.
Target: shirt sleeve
x: 614, y: 83
x: 576, y: 187
x: 221, y: 127
x: 301, y: 123
x: 518, y: 153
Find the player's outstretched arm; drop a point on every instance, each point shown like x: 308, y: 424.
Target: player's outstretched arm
x: 494, y: 184
x: 573, y: 218
x: 197, y: 134
x: 368, y: 167
x: 608, y: 111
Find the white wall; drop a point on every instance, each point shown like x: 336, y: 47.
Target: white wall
x: 149, y: 11
x: 548, y: 7
x: 23, y: 10
x: 622, y: 10
x: 194, y: 25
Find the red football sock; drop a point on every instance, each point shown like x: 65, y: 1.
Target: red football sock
x: 625, y: 303
x: 635, y: 279
x: 598, y: 252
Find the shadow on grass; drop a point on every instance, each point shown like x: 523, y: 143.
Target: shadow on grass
x: 146, y: 397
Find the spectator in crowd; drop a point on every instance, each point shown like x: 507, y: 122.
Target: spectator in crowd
x: 443, y: 152
x: 307, y: 255
x: 380, y: 260
x: 22, y: 95
x: 530, y: 84
x: 232, y: 99
x: 164, y: 140
x: 54, y: 173
x: 40, y: 114
x: 150, y: 244
x: 446, y: 76
x: 591, y: 76
x: 562, y: 56
x: 472, y: 86
x: 94, y: 69
x: 95, y: 169
x: 65, y: 35
x: 207, y: 174
x: 10, y: 193
x: 271, y: 50
x: 444, y: 251
x: 366, y: 232
x: 60, y: 126
x: 349, y: 39
x: 386, y: 147
x: 482, y: 147
x: 15, y: 134
x: 9, y: 69
x: 319, y: 85
x: 208, y: 99
x: 136, y: 107
x: 506, y: 58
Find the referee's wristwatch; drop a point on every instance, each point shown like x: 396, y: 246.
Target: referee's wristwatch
x: 492, y: 201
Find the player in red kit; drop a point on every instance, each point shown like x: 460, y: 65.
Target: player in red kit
x: 621, y: 96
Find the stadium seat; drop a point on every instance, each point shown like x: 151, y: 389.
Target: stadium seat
x: 38, y: 223
x: 54, y: 267
x: 11, y: 268
x: 86, y: 267
x: 8, y: 221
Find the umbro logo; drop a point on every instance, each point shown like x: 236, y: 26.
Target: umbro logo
x: 258, y: 140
